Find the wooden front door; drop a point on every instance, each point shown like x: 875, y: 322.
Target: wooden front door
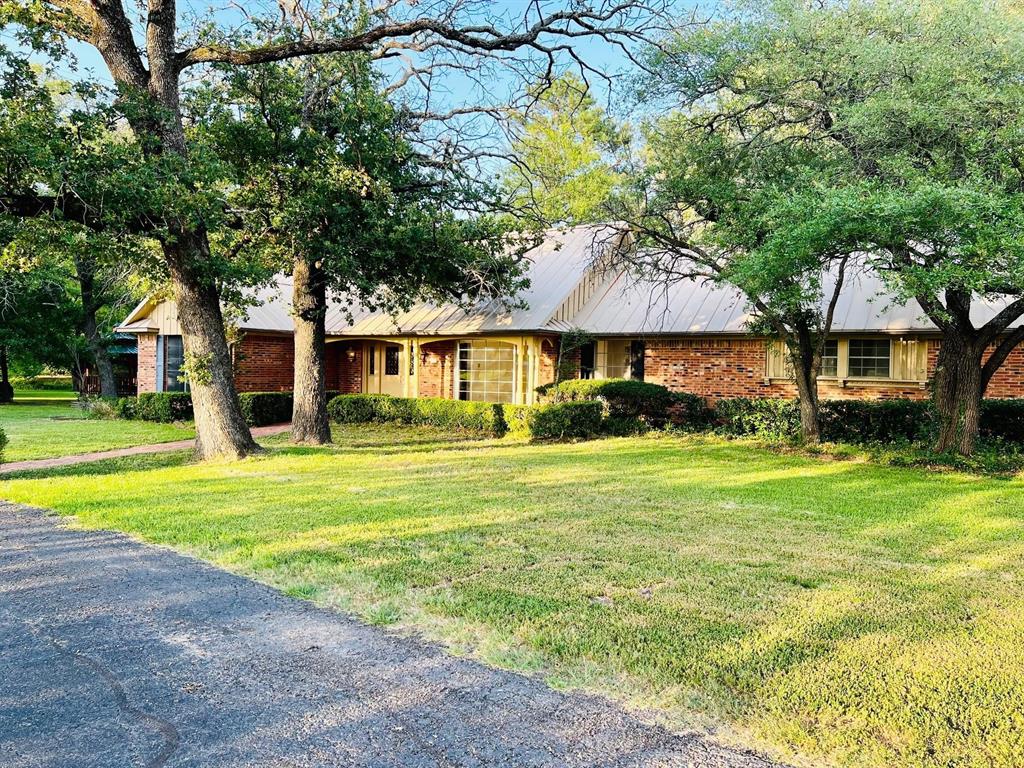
x: 383, y: 369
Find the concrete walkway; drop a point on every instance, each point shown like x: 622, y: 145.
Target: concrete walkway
x: 114, y: 653
x: 117, y: 453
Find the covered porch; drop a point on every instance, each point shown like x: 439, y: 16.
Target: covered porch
x: 493, y: 368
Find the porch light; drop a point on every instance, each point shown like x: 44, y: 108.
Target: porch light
x: 350, y: 353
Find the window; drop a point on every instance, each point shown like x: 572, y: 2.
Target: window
x: 588, y: 353
x: 486, y: 371
x: 371, y: 365
x: 870, y: 358
x: 636, y: 360
x: 391, y: 353
x: 830, y: 358
x: 174, y: 359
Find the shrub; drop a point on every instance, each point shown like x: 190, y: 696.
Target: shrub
x: 357, y: 409
x: 162, y: 406
x: 871, y: 421
x: 127, y: 408
x: 3, y: 444
x: 689, y: 411
x: 579, y: 419
x: 100, y: 407
x: 762, y: 417
x: 430, y: 411
x: 623, y: 398
x: 1003, y: 419
x: 263, y: 408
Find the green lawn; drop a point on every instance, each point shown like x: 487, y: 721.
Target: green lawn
x: 43, y: 429
x: 35, y: 395
x: 834, y: 610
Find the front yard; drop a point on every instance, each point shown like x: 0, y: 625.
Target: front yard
x: 48, y: 427
x: 835, y: 610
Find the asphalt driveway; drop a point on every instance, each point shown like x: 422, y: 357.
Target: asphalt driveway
x: 114, y: 653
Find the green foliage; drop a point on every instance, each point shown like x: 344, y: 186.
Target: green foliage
x: 565, y: 147
x: 164, y: 407
x: 625, y: 398
x: 883, y: 421
x: 44, y: 383
x: 3, y: 444
x: 100, y: 408
x: 263, y: 408
x: 1003, y: 419
x: 570, y: 420
x: 424, y: 411
x: 770, y: 418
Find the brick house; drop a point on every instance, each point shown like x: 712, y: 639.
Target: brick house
x: 689, y: 337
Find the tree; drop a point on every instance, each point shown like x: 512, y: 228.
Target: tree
x: 898, y: 126
x: 333, y: 192
x: 170, y: 200
x: 84, y: 271
x: 564, y: 147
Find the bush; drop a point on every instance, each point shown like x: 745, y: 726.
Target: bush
x: 574, y: 420
x: 623, y: 398
x: 689, y: 411
x: 156, y: 406
x: 761, y: 417
x: 357, y: 409
x: 263, y: 408
x: 3, y: 444
x: 100, y: 407
x: 127, y: 408
x: 45, y: 382
x: 429, y: 411
x: 1003, y: 419
x: 876, y: 421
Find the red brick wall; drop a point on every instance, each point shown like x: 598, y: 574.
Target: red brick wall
x: 548, y: 361
x: 264, y: 363
x: 718, y: 368
x: 435, y: 373
x: 147, y: 362
x: 1008, y: 381
x: 343, y: 374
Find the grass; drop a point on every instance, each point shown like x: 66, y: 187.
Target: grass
x: 45, y: 428
x: 35, y: 395
x: 833, y: 610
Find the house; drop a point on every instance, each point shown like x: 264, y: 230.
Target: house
x: 691, y: 336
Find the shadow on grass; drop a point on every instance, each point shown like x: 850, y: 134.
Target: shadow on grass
x: 139, y: 463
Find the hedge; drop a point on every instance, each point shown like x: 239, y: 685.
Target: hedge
x: 156, y: 406
x: 860, y: 421
x: 263, y: 408
x: 573, y: 420
x: 430, y: 411
x: 623, y: 398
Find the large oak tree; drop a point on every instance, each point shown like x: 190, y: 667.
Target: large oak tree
x: 148, y: 55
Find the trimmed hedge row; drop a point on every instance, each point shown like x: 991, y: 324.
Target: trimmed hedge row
x: 259, y: 408
x: 431, y: 411
x: 575, y: 420
x: 156, y: 406
x: 860, y: 421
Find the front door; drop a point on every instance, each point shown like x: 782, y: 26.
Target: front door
x: 384, y: 369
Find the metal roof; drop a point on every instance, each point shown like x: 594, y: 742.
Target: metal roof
x: 621, y: 306
x: 554, y: 268
x: 638, y: 307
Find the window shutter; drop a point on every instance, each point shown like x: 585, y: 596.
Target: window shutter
x: 909, y: 360
x: 778, y: 361
x: 159, y: 363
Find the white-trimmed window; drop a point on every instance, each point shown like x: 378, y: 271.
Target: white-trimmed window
x: 486, y: 371
x: 830, y: 358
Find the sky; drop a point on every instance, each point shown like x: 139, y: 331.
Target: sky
x: 457, y: 89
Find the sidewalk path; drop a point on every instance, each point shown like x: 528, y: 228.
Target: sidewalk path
x: 117, y: 453
x: 114, y: 654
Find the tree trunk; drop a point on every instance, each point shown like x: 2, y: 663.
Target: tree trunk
x: 104, y: 368
x: 6, y: 390
x: 958, y: 390
x: 807, y: 388
x: 221, y: 430
x: 310, y: 423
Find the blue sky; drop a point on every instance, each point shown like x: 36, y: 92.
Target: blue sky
x: 597, y: 53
